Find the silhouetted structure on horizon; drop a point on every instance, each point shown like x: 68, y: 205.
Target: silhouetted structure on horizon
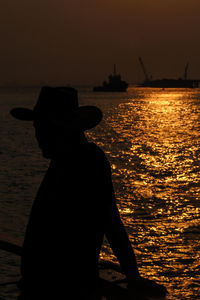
x: 115, y: 84
x: 168, y: 82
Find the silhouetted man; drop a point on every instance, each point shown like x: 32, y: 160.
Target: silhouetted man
x: 74, y: 207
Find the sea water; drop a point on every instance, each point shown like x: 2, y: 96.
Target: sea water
x: 152, y: 140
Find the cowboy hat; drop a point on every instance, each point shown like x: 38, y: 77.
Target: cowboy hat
x: 60, y: 106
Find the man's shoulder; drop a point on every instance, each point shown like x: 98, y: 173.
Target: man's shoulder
x: 99, y: 158
x: 97, y: 151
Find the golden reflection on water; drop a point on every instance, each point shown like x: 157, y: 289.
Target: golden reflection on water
x: 156, y: 173
x: 152, y: 139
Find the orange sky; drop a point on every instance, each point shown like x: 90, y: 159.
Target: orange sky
x: 77, y: 42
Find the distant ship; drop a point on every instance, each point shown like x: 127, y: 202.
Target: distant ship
x: 168, y: 83
x: 115, y: 84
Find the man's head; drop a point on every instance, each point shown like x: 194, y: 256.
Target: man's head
x: 58, y: 120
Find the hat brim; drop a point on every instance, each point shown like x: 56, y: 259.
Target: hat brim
x: 21, y: 113
x: 89, y: 117
x: 84, y: 118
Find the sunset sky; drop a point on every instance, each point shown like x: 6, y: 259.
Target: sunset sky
x: 78, y: 41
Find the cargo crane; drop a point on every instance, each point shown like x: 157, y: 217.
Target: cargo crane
x: 144, y: 69
x: 168, y: 82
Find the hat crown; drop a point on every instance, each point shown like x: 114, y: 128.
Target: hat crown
x: 57, y: 100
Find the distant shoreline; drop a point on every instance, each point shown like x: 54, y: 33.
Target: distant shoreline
x: 78, y: 86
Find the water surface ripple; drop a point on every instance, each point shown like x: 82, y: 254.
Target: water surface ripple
x: 152, y: 139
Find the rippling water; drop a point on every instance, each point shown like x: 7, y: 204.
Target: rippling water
x: 152, y: 139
